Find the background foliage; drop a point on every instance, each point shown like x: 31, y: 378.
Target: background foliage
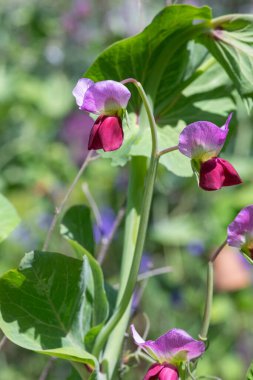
x: 45, y: 47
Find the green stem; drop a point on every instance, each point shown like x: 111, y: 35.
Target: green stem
x: 167, y: 150
x: 209, y: 293
x: 216, y: 22
x: 147, y: 198
x: 59, y: 209
x: 217, y: 252
x: 128, y: 282
x: 134, y: 197
x: 149, y: 111
x: 208, y: 305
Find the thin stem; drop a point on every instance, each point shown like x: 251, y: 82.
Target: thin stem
x: 208, y: 305
x: 150, y: 273
x: 218, y: 250
x: 209, y: 293
x: 167, y: 150
x: 45, y: 372
x: 216, y: 22
x: 92, y: 204
x: 153, y: 272
x: 149, y: 111
x: 107, y: 242
x: 139, y: 354
x: 146, y: 204
x: 59, y: 209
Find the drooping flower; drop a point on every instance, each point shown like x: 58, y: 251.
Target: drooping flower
x: 169, y: 351
x: 240, y: 231
x: 202, y: 141
x: 108, y: 99
x: 162, y: 372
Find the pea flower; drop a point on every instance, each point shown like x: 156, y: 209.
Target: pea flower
x: 169, y: 351
x: 108, y: 99
x: 202, y: 141
x: 240, y: 231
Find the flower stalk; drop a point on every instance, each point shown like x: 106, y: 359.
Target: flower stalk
x: 128, y: 285
x: 209, y: 293
x: 208, y: 304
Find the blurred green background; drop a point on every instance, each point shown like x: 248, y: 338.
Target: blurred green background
x: 45, y: 47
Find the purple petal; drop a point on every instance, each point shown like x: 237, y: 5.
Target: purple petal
x: 240, y: 231
x: 203, y: 140
x: 80, y: 90
x: 175, y: 345
x: 106, y: 97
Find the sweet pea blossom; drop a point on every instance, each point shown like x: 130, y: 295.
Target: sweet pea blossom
x: 202, y: 141
x: 169, y: 351
x: 240, y: 231
x: 108, y: 99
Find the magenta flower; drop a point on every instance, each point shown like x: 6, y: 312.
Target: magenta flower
x: 202, y: 141
x: 162, y: 372
x: 169, y: 351
x: 240, y: 231
x: 108, y: 99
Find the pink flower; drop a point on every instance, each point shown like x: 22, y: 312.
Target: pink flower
x: 202, y: 141
x: 240, y: 231
x: 169, y: 351
x: 108, y: 99
x: 162, y: 372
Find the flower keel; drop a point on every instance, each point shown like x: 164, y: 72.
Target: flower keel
x: 162, y: 372
x: 106, y: 133
x: 216, y: 173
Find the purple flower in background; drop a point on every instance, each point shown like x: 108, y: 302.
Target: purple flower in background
x: 72, y: 19
x: 75, y: 132
x: 108, y: 99
x: 196, y: 248
x: 104, y: 229
x: 169, y: 351
x: 202, y: 141
x: 240, y: 231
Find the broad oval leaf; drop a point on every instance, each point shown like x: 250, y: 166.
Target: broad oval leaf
x: 45, y: 305
x: 74, y: 222
x: 9, y: 218
x: 76, y: 225
x: 181, y: 84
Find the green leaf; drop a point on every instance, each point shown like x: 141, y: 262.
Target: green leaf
x: 158, y: 57
x: 249, y: 375
x: 9, y: 218
x: 182, y: 82
x: 45, y: 305
x: 76, y: 225
x: 147, y: 56
x: 75, y: 221
x: 100, y: 304
x: 231, y: 43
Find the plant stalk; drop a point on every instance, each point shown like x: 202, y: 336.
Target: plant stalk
x: 59, y: 209
x: 208, y: 305
x: 128, y: 283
